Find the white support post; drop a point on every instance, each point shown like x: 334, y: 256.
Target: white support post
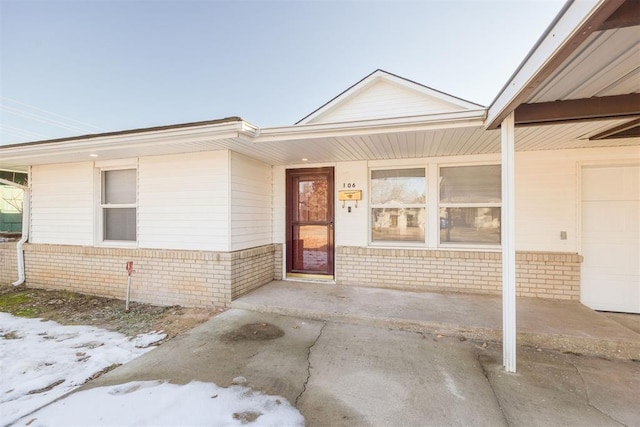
x: 508, y: 245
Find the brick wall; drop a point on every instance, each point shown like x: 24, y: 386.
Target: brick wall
x: 278, y: 262
x: 163, y: 277
x: 251, y: 269
x: 538, y: 274
x: 8, y: 263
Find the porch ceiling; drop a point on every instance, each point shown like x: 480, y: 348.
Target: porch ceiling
x: 432, y: 143
x: 319, y: 149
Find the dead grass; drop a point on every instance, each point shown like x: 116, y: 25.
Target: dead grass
x: 70, y: 308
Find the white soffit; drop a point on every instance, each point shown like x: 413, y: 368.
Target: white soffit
x: 385, y: 95
x: 569, y: 135
x: 437, y: 142
x: 429, y: 143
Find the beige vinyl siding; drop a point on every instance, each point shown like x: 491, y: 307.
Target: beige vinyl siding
x: 251, y: 201
x: 547, y: 189
x: 382, y: 100
x: 62, y: 204
x: 351, y: 228
x: 183, y: 201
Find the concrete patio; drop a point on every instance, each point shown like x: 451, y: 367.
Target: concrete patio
x: 348, y: 356
x: 566, y: 326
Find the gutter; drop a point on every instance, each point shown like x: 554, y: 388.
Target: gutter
x: 26, y: 214
x: 462, y: 118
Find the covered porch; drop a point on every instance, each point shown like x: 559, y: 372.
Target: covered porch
x: 565, y: 326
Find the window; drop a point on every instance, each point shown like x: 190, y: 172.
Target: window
x: 119, y: 205
x: 470, y: 201
x: 398, y: 205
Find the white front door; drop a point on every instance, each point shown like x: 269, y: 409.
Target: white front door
x: 611, y: 238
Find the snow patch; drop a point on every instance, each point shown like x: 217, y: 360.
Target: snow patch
x: 159, y: 403
x: 42, y: 360
x: 151, y: 338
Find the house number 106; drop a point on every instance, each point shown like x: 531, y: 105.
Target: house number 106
x: 349, y: 185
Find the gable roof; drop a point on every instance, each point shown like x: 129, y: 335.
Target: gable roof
x: 385, y: 95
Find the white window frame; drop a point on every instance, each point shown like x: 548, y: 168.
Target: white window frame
x: 425, y: 205
x: 100, y: 167
x: 450, y: 245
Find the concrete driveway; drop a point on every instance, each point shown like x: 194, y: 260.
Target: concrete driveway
x: 346, y: 374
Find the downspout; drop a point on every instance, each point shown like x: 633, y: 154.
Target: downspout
x: 26, y: 214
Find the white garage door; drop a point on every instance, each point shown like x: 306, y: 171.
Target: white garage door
x: 611, y: 238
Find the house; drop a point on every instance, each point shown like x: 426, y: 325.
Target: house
x: 391, y: 184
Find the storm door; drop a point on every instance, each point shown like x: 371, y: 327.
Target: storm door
x: 310, y: 223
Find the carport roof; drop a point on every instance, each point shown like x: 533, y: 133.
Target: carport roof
x: 584, y: 67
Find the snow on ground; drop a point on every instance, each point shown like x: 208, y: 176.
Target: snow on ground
x: 158, y: 403
x: 42, y: 360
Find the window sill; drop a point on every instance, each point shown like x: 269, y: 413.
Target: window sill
x: 470, y: 247
x: 420, y: 246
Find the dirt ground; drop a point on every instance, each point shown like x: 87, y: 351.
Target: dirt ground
x: 70, y: 308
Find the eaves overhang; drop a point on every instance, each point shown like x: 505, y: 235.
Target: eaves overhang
x: 18, y: 156
x: 232, y: 134
x: 128, y: 132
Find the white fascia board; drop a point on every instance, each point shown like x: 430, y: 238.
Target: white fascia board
x: 465, y: 118
x: 553, y: 39
x: 127, y: 140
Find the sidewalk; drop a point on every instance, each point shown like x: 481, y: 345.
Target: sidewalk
x: 557, y: 325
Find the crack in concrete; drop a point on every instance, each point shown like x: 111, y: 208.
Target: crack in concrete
x: 306, y: 381
x: 586, y: 393
x: 495, y: 395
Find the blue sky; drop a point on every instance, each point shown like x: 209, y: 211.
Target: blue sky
x: 77, y: 67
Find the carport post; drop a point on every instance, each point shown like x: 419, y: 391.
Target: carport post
x: 508, y: 245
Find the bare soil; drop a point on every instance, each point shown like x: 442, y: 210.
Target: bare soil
x: 71, y: 308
